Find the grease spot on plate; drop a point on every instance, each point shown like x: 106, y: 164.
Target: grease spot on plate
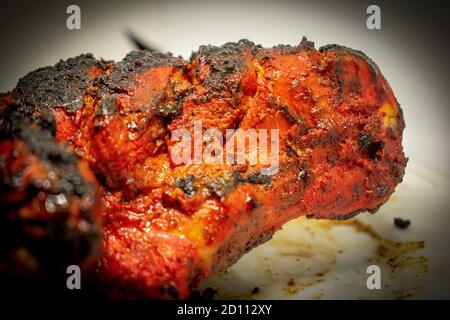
x: 307, y: 256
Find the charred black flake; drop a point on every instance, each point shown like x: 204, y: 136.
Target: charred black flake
x: 225, y: 183
x: 187, y: 184
x: 259, y: 178
x: 337, y: 73
x: 168, y: 103
x: 226, y: 63
x: 62, y: 85
x: 138, y: 61
x: 40, y: 141
x: 255, y: 290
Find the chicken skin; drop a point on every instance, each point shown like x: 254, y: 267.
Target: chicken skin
x: 167, y: 225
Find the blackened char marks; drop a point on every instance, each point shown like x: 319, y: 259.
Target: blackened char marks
x: 226, y: 64
x: 187, y: 185
x: 52, y: 205
x: 371, y: 148
x: 64, y: 84
x: 346, y: 63
x: 40, y: 142
x: 288, y: 49
x: 121, y: 79
x: 340, y: 49
x: 225, y: 183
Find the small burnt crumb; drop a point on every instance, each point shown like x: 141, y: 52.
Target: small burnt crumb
x: 187, y: 185
x: 306, y: 44
x: 289, y: 113
x: 337, y: 73
x: 401, y: 223
x: 259, y: 178
x: 168, y: 103
x: 256, y: 290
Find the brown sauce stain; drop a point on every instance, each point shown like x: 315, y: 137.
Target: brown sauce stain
x: 309, y: 250
x: 397, y: 255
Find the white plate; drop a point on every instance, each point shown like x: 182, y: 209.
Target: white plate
x: 310, y: 259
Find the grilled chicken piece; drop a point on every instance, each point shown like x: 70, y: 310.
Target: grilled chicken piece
x: 167, y: 226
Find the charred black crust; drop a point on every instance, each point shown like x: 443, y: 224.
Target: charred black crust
x: 226, y: 63
x: 288, y: 49
x: 225, y: 183
x: 259, y: 178
x: 293, y: 117
x: 229, y: 48
x: 169, y: 103
x: 62, y: 85
x: 57, y: 242
x: 41, y: 143
x: 136, y: 62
